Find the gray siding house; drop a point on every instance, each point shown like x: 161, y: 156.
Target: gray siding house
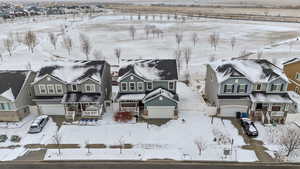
x: 253, y: 87
x: 74, y: 89
x: 147, y: 88
x: 15, y: 94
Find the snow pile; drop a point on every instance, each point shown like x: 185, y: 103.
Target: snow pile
x: 9, y: 95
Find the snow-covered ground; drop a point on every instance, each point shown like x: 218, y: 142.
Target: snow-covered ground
x: 175, y: 140
x: 20, y: 129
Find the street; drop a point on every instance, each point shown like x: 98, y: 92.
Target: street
x: 143, y: 165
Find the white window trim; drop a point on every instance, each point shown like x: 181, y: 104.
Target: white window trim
x: 50, y: 86
x: 134, y: 86
x: 125, y: 85
x: 92, y: 86
x: 169, y: 85
x: 137, y: 86
x: 256, y: 85
x: 232, y: 91
x: 76, y: 87
x: 44, y: 87
x: 277, y: 88
x: 239, y: 86
x: 61, y: 88
x: 148, y: 87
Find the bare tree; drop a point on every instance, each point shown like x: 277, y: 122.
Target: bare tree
x: 118, y: 54
x: 67, y: 43
x: 53, y: 39
x: 85, y: 45
x: 214, y: 40
x: 147, y: 29
x: 195, y: 38
x: 8, y: 44
x: 1, y: 57
x: 201, y: 145
x: 88, y: 147
x: 179, y: 38
x: 19, y: 37
x: 30, y: 40
x: 57, y: 141
x: 233, y: 42
x: 290, y: 140
x: 132, y: 31
x: 178, y: 56
x: 121, y: 144
x: 187, y: 56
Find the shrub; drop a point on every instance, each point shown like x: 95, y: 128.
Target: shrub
x: 3, y: 138
x: 15, y: 138
x: 123, y: 116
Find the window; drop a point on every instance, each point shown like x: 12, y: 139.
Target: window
x: 140, y: 86
x: 228, y: 88
x: 50, y: 88
x: 124, y: 86
x: 74, y: 87
x: 90, y: 88
x: 258, y: 86
x: 242, y: 88
x: 171, y: 85
x: 149, y: 85
x: 276, y: 107
x: 132, y: 86
x: 276, y: 87
x: 261, y: 106
x: 286, y: 108
x: 59, y: 89
x: 282, y: 87
x: 42, y: 89
x: 5, y: 106
x: 297, y: 76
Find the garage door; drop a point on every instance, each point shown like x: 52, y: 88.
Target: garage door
x: 231, y: 110
x: 52, y: 109
x: 160, y: 112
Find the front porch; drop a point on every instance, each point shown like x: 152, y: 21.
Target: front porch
x: 131, y: 103
x: 82, y: 106
x: 269, y: 110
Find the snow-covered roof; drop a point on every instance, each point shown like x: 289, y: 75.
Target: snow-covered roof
x: 255, y: 70
x: 75, y: 71
x: 161, y: 92
x: 9, y: 95
x: 270, y: 98
x: 11, y: 83
x: 150, y: 69
x: 133, y: 97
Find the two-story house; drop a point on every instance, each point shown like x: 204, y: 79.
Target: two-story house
x: 73, y: 89
x: 257, y: 88
x: 15, y: 94
x: 147, y: 88
x: 292, y: 70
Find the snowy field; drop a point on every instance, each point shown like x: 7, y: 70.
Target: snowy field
x: 107, y: 32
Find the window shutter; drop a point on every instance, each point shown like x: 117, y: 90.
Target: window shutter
x: 282, y: 86
x: 225, y: 87
x: 246, y: 87
x: 238, y: 88
x: 232, y: 89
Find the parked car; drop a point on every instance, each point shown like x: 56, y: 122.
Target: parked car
x: 38, y: 124
x: 249, y: 127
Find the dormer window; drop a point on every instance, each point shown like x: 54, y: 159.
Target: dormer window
x: 74, y: 87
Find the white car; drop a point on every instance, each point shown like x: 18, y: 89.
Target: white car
x: 38, y: 124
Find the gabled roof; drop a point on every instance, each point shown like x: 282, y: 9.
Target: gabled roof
x: 11, y: 83
x: 255, y: 70
x: 291, y: 61
x: 151, y: 69
x: 74, y: 71
x: 160, y: 92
